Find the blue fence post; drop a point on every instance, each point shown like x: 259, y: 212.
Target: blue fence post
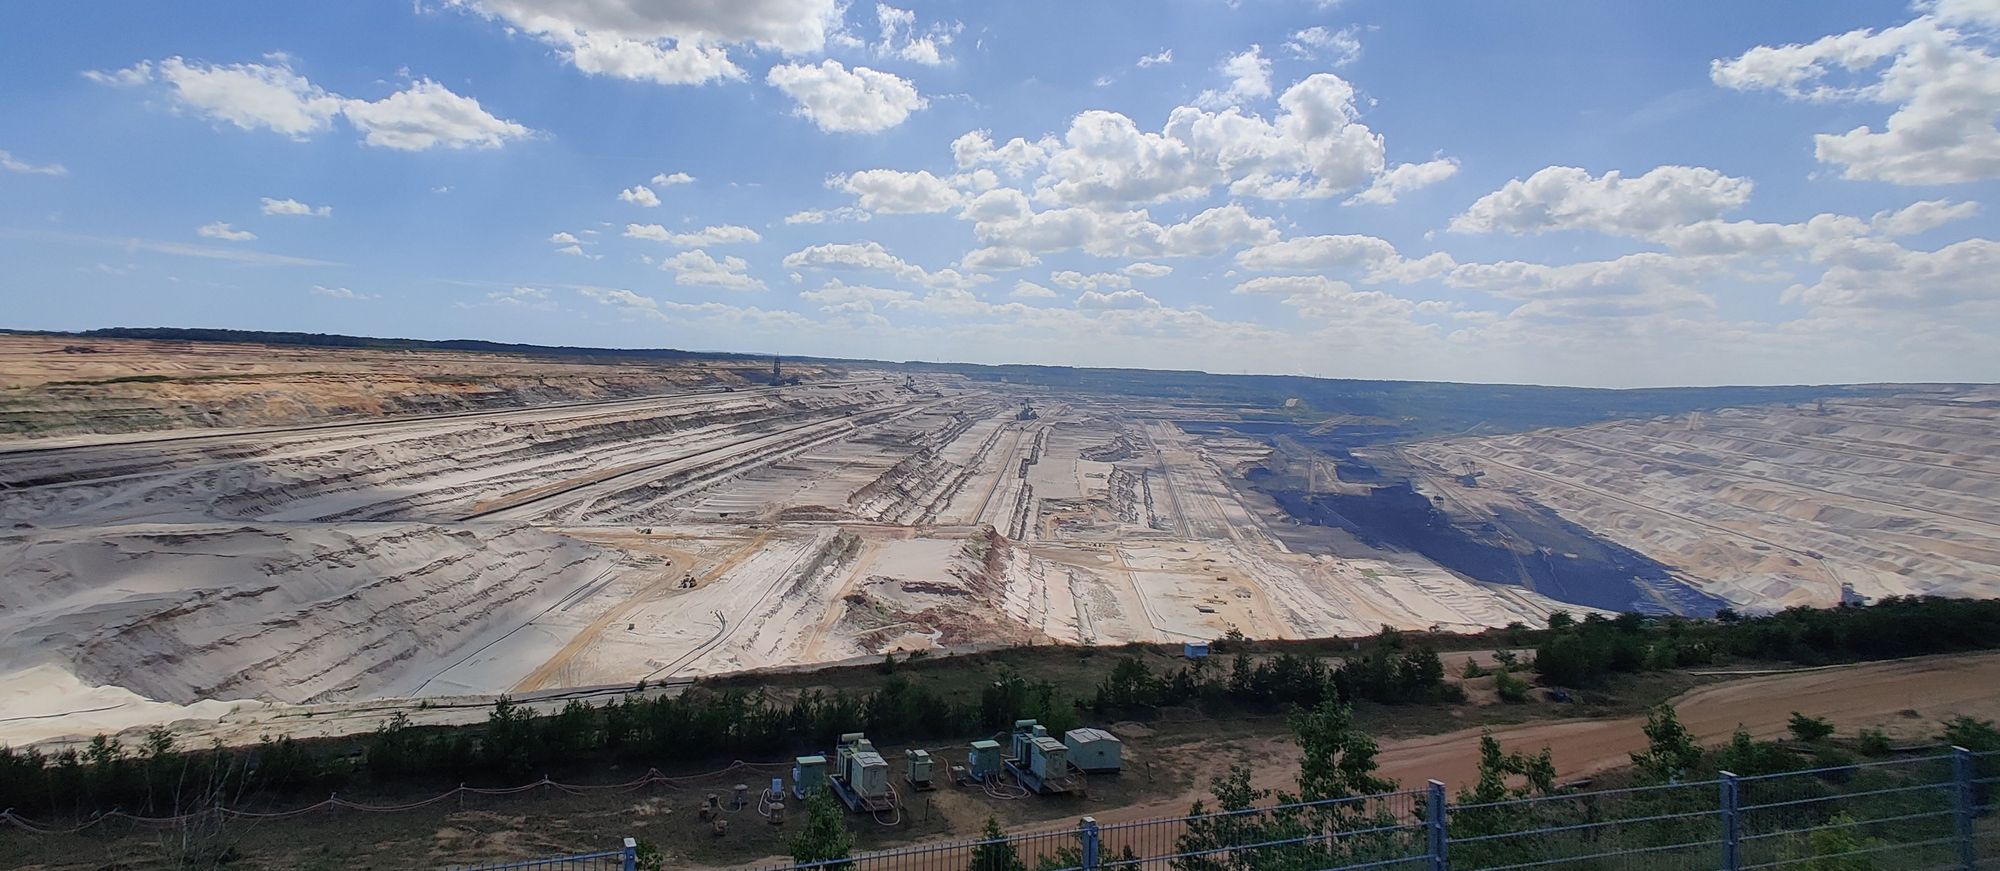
x: 631, y: 855
x: 1731, y: 824
x: 1961, y: 775
x: 1087, y: 832
x: 1434, y: 825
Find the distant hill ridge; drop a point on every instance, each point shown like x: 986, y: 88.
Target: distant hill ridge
x: 1412, y: 409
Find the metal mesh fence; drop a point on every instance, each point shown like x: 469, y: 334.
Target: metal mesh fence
x: 1671, y: 826
x: 1379, y: 831
x: 1062, y: 849
x: 611, y: 861
x: 1908, y: 806
x: 1940, y: 810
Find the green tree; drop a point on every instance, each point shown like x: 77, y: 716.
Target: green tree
x: 1873, y: 742
x: 1420, y: 675
x: 509, y: 744
x: 1671, y: 751
x: 649, y: 857
x: 1487, y: 807
x: 1336, y: 760
x: 1560, y: 620
x: 1497, y: 770
x: 994, y: 852
x: 395, y: 750
x: 1566, y: 660
x: 1836, y: 846
x: 1978, y: 736
x: 1511, y: 689
x: 1746, y: 756
x: 1809, y: 729
x: 825, y: 835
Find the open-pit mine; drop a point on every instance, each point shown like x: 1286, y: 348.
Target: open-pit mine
x: 725, y: 523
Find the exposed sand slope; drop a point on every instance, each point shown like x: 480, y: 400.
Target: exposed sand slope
x: 56, y: 386
x: 296, y: 613
x: 1769, y: 506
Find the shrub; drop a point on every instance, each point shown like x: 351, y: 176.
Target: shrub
x: 1809, y: 729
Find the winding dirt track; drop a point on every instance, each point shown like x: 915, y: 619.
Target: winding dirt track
x: 1874, y: 694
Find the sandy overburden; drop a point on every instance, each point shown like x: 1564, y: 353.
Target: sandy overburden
x: 292, y: 613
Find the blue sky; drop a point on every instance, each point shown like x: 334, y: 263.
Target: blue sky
x: 1573, y: 193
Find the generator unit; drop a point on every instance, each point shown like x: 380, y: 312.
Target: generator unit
x: 808, y: 775
x: 1050, y: 758
x: 868, y: 774
x: 918, y: 768
x: 1044, y: 765
x: 983, y: 763
x: 850, y: 744
x: 1094, y: 751
x: 860, y: 775
x: 1023, y: 740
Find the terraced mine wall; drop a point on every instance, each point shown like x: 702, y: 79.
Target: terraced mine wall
x: 1540, y: 550
x: 139, y: 381
x: 1535, y: 547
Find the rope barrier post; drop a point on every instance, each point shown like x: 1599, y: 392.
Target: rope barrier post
x: 631, y: 855
x: 1088, y: 833
x: 1731, y: 821
x: 1961, y: 775
x: 1434, y: 824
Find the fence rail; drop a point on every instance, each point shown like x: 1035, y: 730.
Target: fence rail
x: 1940, y: 810
x: 626, y: 859
x: 1919, y: 813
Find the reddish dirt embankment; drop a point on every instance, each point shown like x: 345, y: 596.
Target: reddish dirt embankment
x: 1883, y: 695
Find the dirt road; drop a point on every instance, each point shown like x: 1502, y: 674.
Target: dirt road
x: 1882, y: 694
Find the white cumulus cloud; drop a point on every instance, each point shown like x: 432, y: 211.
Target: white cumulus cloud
x: 1249, y: 75
x: 998, y: 258
x: 665, y: 43
x: 1404, y: 178
x: 827, y: 216
x: 223, y: 231
x: 902, y: 39
x: 889, y: 191
x: 716, y: 235
x: 293, y: 207
x: 1340, y: 47
x: 839, y: 100
x: 1938, y: 71
x: 639, y: 195
x: 12, y: 164
x: 1920, y: 216
x: 274, y: 97
x: 1029, y: 290
x: 338, y: 293
x: 696, y: 267
x: 1569, y: 198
